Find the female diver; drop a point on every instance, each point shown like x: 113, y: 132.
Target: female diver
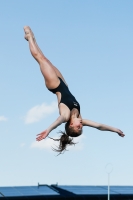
x: 69, y: 108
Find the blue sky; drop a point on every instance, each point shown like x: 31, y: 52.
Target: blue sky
x: 91, y: 44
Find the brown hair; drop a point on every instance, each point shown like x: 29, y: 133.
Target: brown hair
x: 64, y: 139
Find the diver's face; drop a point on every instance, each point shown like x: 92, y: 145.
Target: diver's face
x: 76, y: 123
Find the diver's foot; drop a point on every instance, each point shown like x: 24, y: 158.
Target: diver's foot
x: 28, y: 33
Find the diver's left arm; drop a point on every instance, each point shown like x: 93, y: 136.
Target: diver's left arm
x: 102, y: 127
x: 61, y: 119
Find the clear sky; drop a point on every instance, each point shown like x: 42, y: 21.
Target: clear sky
x: 91, y: 42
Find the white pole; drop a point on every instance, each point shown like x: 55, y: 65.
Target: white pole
x: 109, y: 169
x: 108, y: 187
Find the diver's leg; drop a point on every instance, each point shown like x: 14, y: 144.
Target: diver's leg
x: 50, y: 76
x: 56, y: 70
x: 59, y: 74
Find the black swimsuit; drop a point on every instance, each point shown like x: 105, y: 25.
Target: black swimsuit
x: 66, y: 97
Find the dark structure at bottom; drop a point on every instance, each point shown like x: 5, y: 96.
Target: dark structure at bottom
x: 55, y: 192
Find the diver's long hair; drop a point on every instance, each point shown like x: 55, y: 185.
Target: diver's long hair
x: 65, y: 138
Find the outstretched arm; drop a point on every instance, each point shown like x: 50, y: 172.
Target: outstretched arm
x: 102, y: 127
x: 54, y: 125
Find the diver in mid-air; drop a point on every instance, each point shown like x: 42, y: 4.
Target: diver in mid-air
x: 69, y: 108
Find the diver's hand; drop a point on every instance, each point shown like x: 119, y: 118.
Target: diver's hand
x: 42, y: 135
x: 120, y: 133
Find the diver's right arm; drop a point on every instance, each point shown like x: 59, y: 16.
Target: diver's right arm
x: 44, y: 134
